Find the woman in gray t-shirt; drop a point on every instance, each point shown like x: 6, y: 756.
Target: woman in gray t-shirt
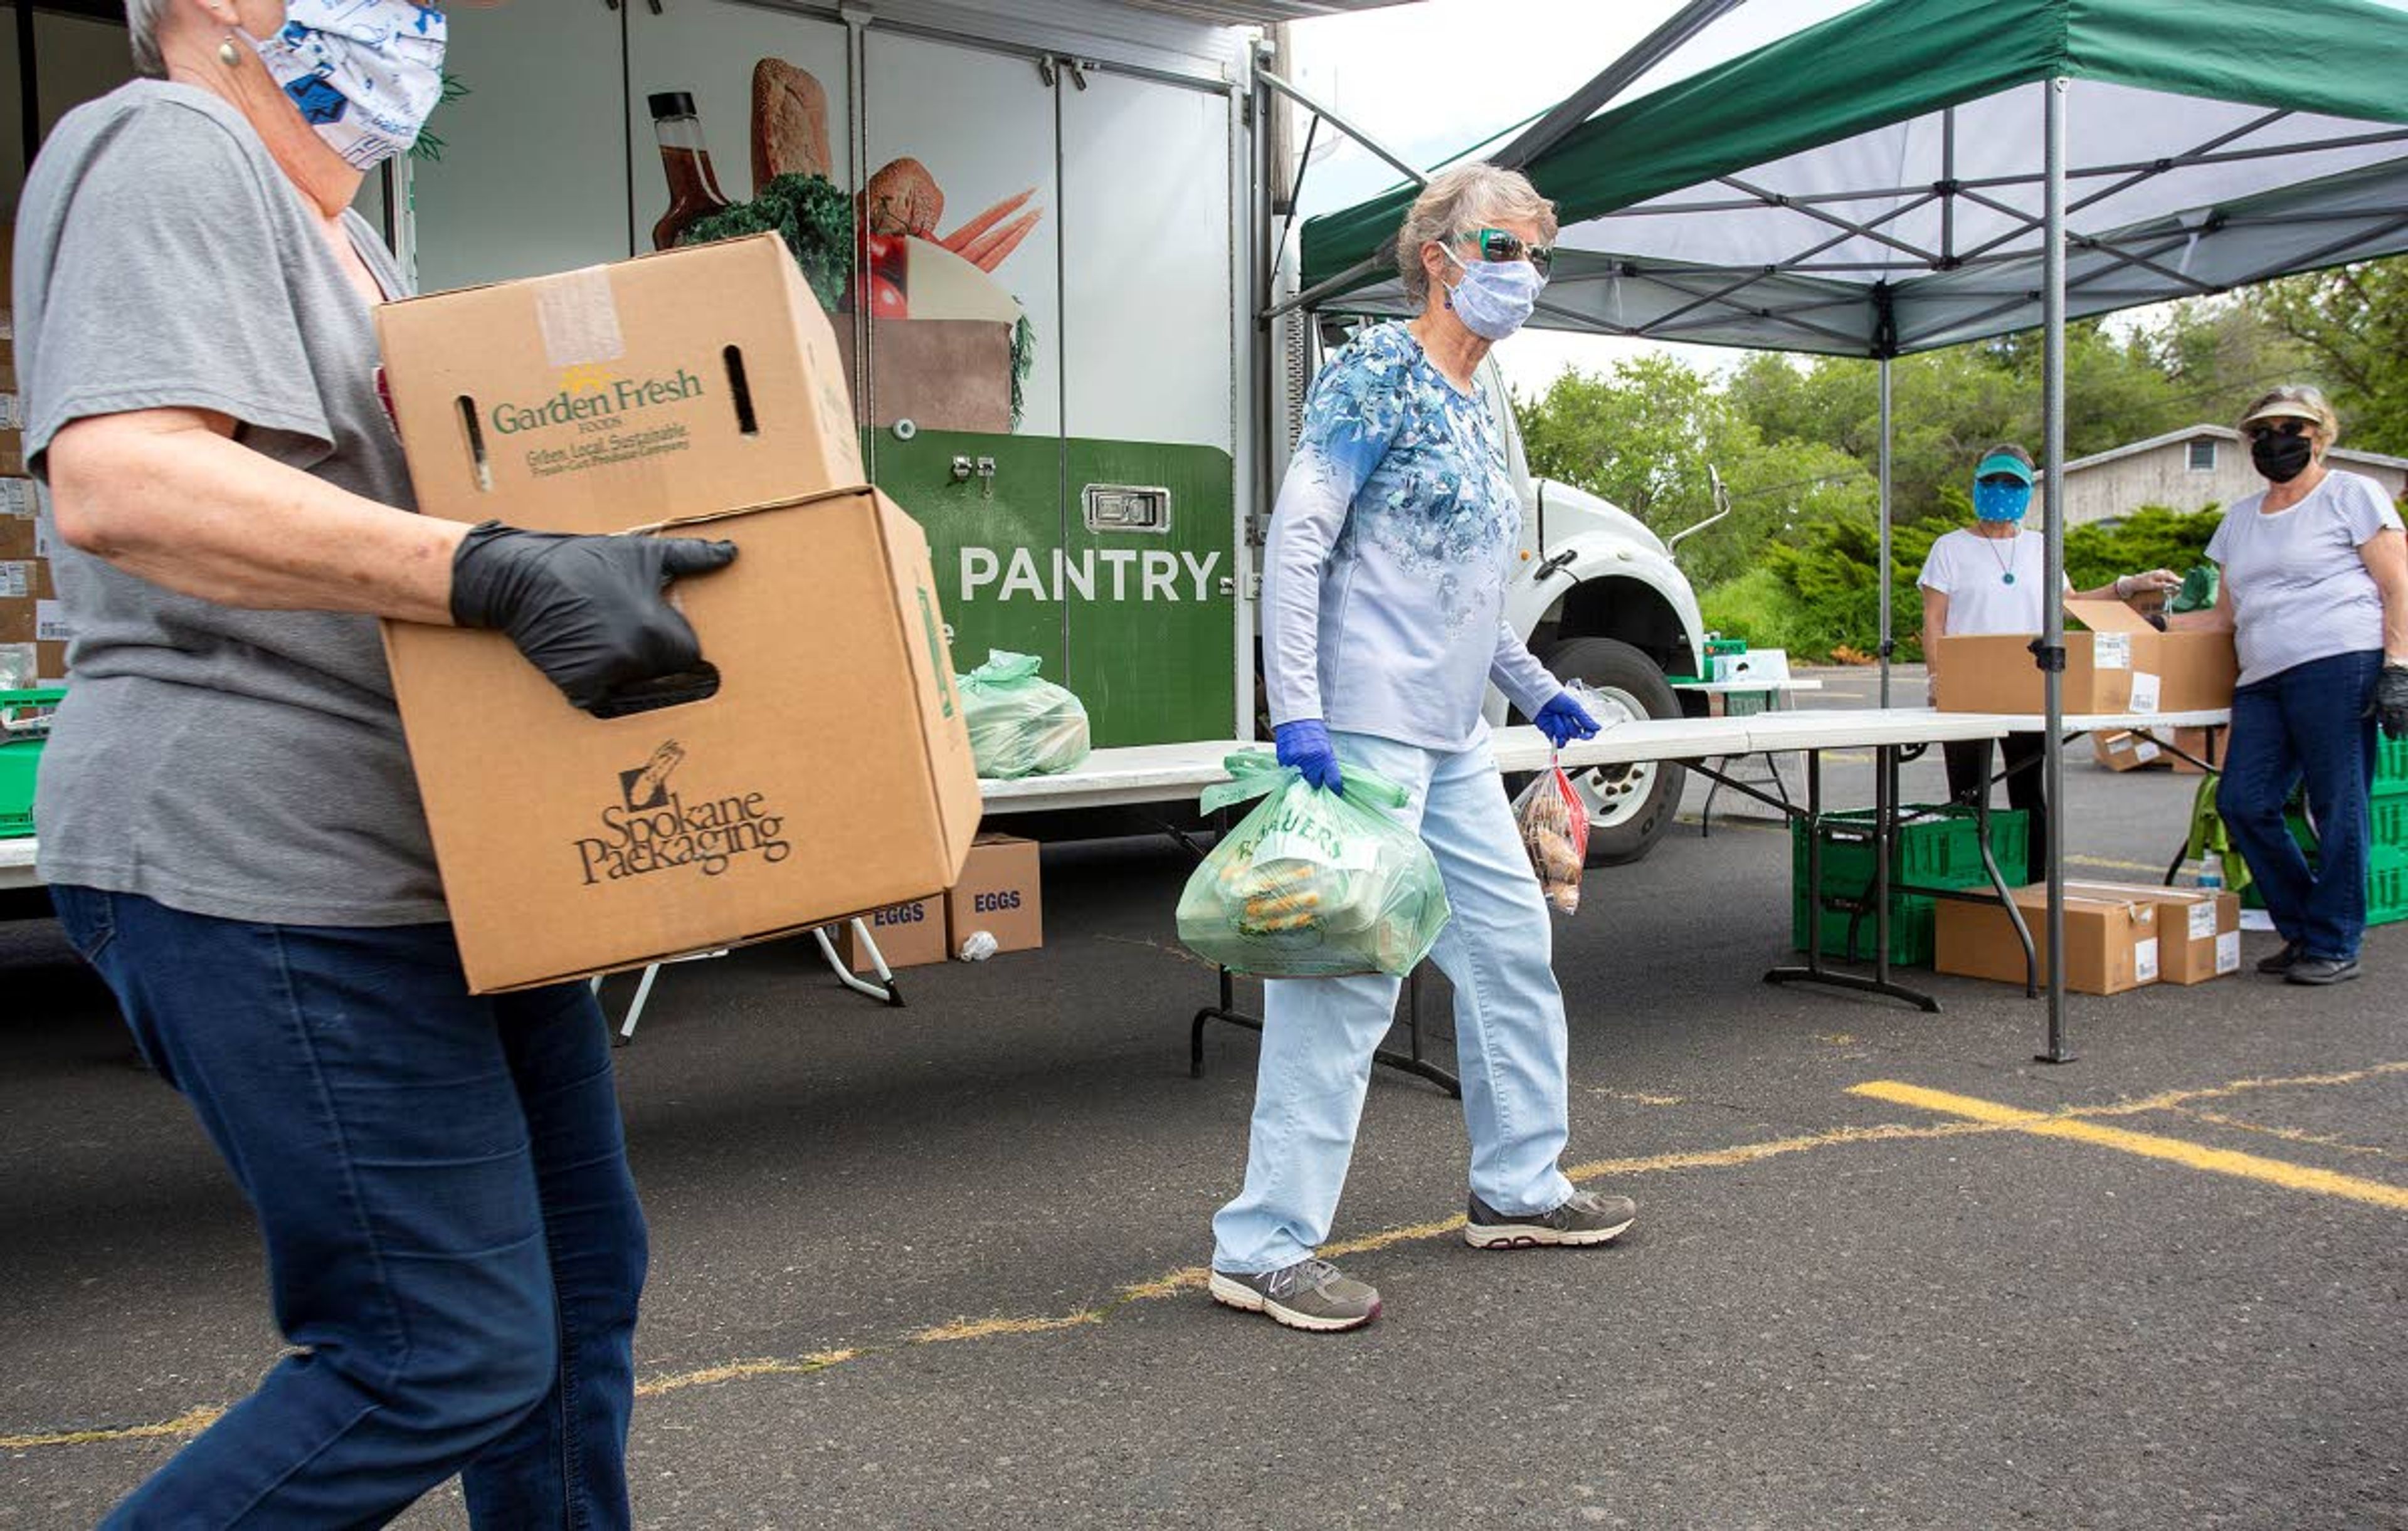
x: 227, y: 816
x: 2315, y: 595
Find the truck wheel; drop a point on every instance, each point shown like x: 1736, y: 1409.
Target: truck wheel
x: 1630, y: 806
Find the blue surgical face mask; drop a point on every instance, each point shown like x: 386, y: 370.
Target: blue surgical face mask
x: 2001, y: 502
x: 1495, y: 297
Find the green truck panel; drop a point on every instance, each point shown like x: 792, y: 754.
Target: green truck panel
x: 1141, y: 624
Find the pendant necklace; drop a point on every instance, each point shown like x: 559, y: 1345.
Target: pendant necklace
x: 2006, y: 561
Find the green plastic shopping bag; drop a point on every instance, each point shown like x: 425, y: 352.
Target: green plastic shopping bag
x: 1019, y: 723
x: 1312, y: 884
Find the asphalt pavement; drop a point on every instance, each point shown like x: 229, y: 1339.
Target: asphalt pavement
x: 937, y: 1266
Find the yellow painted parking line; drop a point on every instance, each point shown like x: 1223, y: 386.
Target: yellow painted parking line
x: 2148, y: 1145
x: 1995, y: 1119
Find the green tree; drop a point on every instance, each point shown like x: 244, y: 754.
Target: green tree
x: 1649, y: 436
x: 2351, y: 325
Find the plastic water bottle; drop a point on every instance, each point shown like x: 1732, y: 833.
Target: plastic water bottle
x: 2211, y: 871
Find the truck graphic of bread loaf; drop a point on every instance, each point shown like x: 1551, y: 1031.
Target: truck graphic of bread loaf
x: 949, y: 339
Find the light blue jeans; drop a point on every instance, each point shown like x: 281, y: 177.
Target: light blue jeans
x: 1319, y: 1033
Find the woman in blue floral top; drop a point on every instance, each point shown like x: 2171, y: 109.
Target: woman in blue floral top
x: 1382, y: 628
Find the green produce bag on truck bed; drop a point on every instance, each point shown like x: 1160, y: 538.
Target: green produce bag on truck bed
x: 1312, y: 884
x: 1019, y: 724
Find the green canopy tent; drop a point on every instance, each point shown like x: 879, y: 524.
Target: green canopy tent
x: 1910, y: 174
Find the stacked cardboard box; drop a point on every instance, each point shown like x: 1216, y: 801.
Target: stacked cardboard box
x: 821, y: 771
x: 32, y: 636
x: 2111, y: 940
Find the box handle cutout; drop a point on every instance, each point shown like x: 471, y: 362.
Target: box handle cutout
x: 484, y: 471
x: 661, y: 692
x: 741, y: 391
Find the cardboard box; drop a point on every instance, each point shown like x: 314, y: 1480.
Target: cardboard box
x: 2110, y: 943
x: 997, y: 892
x: 829, y: 773
x: 2199, y: 744
x: 2126, y: 751
x: 2198, y: 929
x: 909, y: 934
x: 1769, y: 666
x: 679, y: 384
x: 51, y: 663
x: 1996, y: 672
x: 19, y: 536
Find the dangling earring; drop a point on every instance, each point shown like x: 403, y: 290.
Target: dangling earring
x: 228, y: 54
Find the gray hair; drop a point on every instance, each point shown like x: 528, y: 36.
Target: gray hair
x: 142, y: 19
x: 1460, y: 200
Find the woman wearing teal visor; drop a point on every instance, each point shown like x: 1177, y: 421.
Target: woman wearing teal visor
x: 1991, y: 577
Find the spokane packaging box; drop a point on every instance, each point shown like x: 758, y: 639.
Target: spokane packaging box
x: 2198, y: 929
x: 2111, y: 941
x: 829, y: 773
x: 2121, y: 665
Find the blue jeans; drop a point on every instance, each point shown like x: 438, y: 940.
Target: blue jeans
x: 453, y: 1242
x: 2307, y: 722
x: 1319, y: 1033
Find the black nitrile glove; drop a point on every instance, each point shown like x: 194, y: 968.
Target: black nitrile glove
x: 587, y: 611
x: 2391, y: 701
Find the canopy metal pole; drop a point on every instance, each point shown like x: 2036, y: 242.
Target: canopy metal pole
x: 2052, y: 643
x: 1888, y: 621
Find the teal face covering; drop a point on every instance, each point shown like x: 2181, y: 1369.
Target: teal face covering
x: 2000, y: 500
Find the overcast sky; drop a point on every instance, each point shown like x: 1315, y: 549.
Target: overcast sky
x: 1431, y: 80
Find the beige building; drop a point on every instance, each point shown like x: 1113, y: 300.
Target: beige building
x: 2191, y: 470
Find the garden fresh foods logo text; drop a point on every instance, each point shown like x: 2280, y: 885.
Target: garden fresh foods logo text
x: 610, y: 419
x: 588, y: 394
x: 654, y: 828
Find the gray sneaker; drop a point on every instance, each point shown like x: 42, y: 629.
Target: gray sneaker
x: 2321, y: 970
x: 1587, y: 1218
x: 1308, y: 1295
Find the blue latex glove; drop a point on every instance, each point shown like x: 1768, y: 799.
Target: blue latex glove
x: 1305, y: 745
x: 1564, y: 720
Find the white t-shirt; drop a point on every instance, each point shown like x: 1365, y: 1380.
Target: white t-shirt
x: 2298, y: 587
x: 1993, y: 585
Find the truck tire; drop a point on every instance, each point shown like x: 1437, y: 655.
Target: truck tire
x: 1630, y: 806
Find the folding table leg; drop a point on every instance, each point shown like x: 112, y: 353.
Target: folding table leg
x: 1884, y: 832
x: 885, y: 990
x: 635, y: 1010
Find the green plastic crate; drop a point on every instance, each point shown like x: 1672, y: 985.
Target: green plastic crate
x: 20, y: 756
x: 2387, y: 823
x: 2387, y: 878
x: 1936, y: 847
x: 2391, y: 767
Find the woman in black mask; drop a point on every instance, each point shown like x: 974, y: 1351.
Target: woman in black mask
x: 2315, y: 595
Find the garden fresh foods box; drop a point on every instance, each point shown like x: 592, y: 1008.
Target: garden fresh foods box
x: 822, y: 771
x: 678, y: 384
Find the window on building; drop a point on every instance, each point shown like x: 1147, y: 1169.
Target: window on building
x: 2203, y: 455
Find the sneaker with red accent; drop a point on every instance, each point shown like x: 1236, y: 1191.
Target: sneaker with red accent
x: 1587, y: 1218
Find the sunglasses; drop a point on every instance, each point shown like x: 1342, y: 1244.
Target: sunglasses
x: 2287, y: 425
x: 2003, y: 480
x: 1497, y: 245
